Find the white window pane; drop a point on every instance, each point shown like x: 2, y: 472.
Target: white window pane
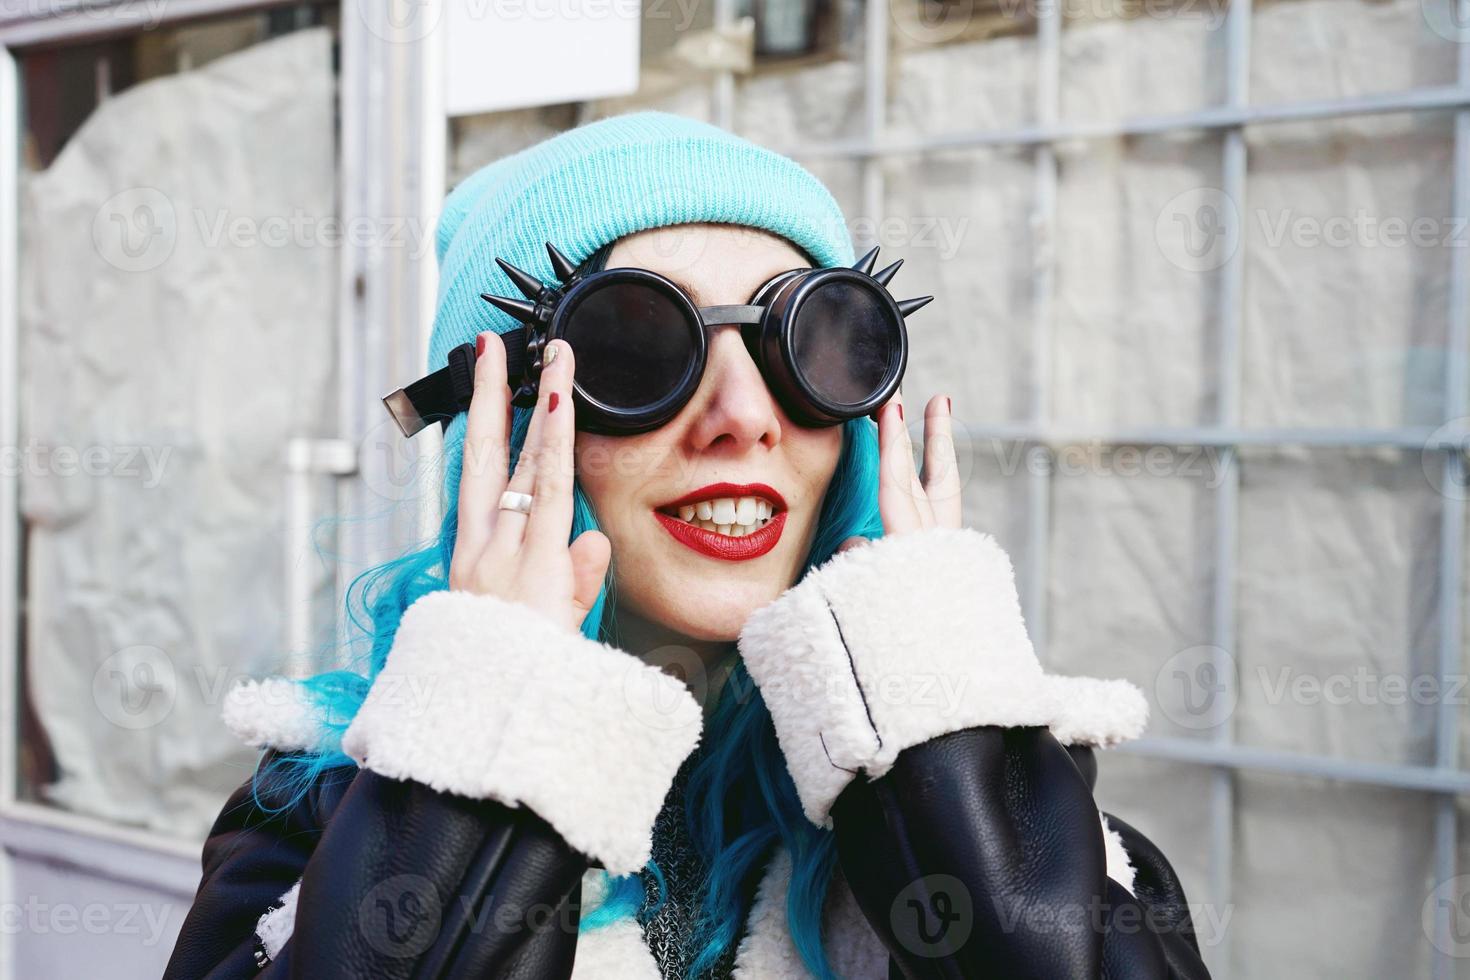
x: 1138, y: 283
x: 1330, y: 879
x: 1123, y: 58
x: 1348, y: 237
x: 1333, y: 49
x: 967, y: 240
x: 1337, y: 615
x: 177, y: 328
x: 1130, y: 561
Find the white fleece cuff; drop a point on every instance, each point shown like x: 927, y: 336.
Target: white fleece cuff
x: 490, y: 699
x: 277, y: 713
x: 904, y: 639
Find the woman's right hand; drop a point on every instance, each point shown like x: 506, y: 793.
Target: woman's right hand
x: 519, y: 557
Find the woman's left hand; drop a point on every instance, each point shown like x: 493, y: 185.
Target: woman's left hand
x: 908, y: 500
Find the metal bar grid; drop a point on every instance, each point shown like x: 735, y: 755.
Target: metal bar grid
x: 1043, y: 290
x: 1208, y: 752
x: 875, y: 108
x: 1452, y: 524
x: 1227, y: 497
x: 1042, y: 439
x: 1447, y: 438
x: 722, y: 94
x: 1429, y: 99
x: 65, y: 23
x: 10, y: 123
x: 9, y: 482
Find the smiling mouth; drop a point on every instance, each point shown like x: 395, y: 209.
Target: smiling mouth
x: 732, y: 522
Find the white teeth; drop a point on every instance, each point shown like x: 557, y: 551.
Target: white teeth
x: 734, y: 516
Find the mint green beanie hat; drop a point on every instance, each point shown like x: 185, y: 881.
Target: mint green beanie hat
x: 596, y: 183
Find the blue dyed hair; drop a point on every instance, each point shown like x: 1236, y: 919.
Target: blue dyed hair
x: 740, y: 801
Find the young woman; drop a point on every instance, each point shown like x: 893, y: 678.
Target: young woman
x: 860, y: 769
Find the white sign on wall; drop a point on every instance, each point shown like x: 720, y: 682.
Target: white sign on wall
x: 512, y: 54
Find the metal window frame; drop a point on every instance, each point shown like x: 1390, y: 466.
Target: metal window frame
x: 391, y: 162
x: 1220, y: 753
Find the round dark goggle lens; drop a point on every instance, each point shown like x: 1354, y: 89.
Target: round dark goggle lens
x: 634, y: 344
x: 844, y: 342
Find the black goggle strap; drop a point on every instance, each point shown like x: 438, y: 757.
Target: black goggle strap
x: 440, y: 396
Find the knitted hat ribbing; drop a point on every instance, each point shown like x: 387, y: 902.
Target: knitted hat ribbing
x: 596, y: 183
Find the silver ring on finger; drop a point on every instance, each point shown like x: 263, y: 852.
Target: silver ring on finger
x: 516, y: 501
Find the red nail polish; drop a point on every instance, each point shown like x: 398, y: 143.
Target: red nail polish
x: 551, y: 403
x: 480, y: 346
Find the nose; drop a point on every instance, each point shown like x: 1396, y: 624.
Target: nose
x: 733, y: 409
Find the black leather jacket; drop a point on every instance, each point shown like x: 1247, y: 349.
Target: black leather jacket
x: 968, y: 842
x: 1002, y: 820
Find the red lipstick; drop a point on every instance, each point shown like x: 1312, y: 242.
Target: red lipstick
x: 723, y: 546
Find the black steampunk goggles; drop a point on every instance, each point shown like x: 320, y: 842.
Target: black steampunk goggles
x: 830, y: 343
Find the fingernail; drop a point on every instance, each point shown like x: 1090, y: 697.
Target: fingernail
x: 900, y: 411
x: 551, y: 350
x: 551, y: 403
x: 948, y: 406
x: 480, y: 345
